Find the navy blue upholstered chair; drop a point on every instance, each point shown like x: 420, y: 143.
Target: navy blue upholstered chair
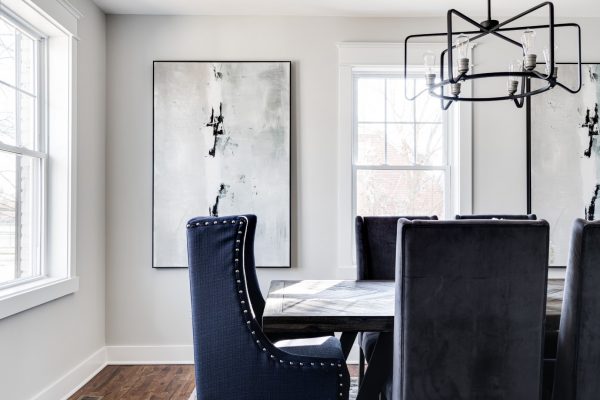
x: 531, y: 217
x: 470, y: 309
x: 233, y: 358
x: 376, y: 260
x: 578, y: 358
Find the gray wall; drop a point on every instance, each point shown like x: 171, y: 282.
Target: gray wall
x: 151, y: 307
x: 40, y: 345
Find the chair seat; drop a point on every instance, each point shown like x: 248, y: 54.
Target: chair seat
x: 367, y: 341
x: 323, y: 347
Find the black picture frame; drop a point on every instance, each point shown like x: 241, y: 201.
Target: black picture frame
x: 291, y: 132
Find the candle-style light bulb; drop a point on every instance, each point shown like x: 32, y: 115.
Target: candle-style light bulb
x: 546, y: 53
x: 528, y: 42
x: 429, y: 62
x: 513, y: 79
x: 462, y: 49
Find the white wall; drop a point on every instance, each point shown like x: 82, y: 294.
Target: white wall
x: 151, y: 307
x: 39, y: 346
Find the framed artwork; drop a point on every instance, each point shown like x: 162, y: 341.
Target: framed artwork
x: 564, y: 156
x: 221, y: 147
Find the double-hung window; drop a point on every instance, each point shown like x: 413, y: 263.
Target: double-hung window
x: 22, y: 151
x: 401, y: 157
x: 38, y: 153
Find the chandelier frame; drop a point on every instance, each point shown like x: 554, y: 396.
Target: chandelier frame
x: 495, y: 28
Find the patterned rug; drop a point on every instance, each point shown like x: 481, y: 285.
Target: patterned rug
x: 353, y: 390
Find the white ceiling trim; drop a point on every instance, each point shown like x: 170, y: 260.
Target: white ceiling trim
x: 70, y: 8
x: 343, y: 8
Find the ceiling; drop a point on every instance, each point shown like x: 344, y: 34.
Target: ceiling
x: 375, y: 8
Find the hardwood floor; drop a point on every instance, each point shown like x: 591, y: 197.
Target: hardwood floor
x: 140, y: 382
x: 144, y: 382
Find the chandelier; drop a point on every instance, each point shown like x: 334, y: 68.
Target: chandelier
x: 520, y: 72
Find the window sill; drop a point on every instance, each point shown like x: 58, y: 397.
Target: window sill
x: 19, y: 298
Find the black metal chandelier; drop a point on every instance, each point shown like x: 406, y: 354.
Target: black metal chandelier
x: 520, y: 72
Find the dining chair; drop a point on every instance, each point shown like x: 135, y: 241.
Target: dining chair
x: 376, y: 260
x: 532, y: 217
x: 233, y: 357
x: 470, y: 309
x: 578, y: 358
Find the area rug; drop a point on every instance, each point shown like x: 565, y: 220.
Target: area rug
x: 353, y: 390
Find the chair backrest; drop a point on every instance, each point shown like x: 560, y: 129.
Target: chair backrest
x: 221, y: 315
x: 578, y: 357
x: 470, y: 308
x: 233, y: 357
x: 376, y: 246
x: 531, y: 217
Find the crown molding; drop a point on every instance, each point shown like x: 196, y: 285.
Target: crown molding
x: 70, y: 8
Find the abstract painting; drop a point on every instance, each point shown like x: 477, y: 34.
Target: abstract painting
x: 565, y: 156
x: 221, y: 147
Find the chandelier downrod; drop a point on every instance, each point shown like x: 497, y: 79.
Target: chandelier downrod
x: 490, y: 23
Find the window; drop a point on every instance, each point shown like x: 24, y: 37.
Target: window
x: 400, y: 148
x: 396, y: 157
x: 38, y: 127
x: 22, y: 152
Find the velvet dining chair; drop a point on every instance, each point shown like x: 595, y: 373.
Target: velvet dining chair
x: 470, y: 310
x: 376, y: 260
x: 233, y: 358
x: 578, y: 357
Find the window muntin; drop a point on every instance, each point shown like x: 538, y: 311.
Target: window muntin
x: 400, y: 148
x: 22, y: 153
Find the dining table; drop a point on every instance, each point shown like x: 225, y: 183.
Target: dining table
x: 353, y: 306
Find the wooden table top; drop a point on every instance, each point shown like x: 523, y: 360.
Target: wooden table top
x: 352, y: 306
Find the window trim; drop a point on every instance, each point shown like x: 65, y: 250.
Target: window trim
x: 57, y: 20
x: 385, y: 57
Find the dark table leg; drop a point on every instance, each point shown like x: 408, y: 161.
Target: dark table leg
x: 347, y: 339
x: 379, y: 367
x: 361, y: 366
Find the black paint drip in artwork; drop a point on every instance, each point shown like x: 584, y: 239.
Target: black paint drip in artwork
x: 218, y: 75
x: 214, y: 210
x: 591, y: 210
x: 591, y: 123
x: 216, y: 123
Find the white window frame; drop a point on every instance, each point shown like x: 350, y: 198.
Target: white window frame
x: 386, y: 57
x: 56, y: 20
x: 41, y: 140
x: 447, y: 118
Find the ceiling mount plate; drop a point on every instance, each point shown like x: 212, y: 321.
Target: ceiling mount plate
x: 490, y: 23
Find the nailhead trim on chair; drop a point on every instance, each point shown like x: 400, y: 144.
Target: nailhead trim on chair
x: 241, y: 285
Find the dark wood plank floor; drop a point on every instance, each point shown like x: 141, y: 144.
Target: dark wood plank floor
x: 144, y: 382
x: 140, y: 382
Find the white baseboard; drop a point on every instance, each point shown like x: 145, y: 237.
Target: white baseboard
x: 73, y: 380
x: 132, y: 355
